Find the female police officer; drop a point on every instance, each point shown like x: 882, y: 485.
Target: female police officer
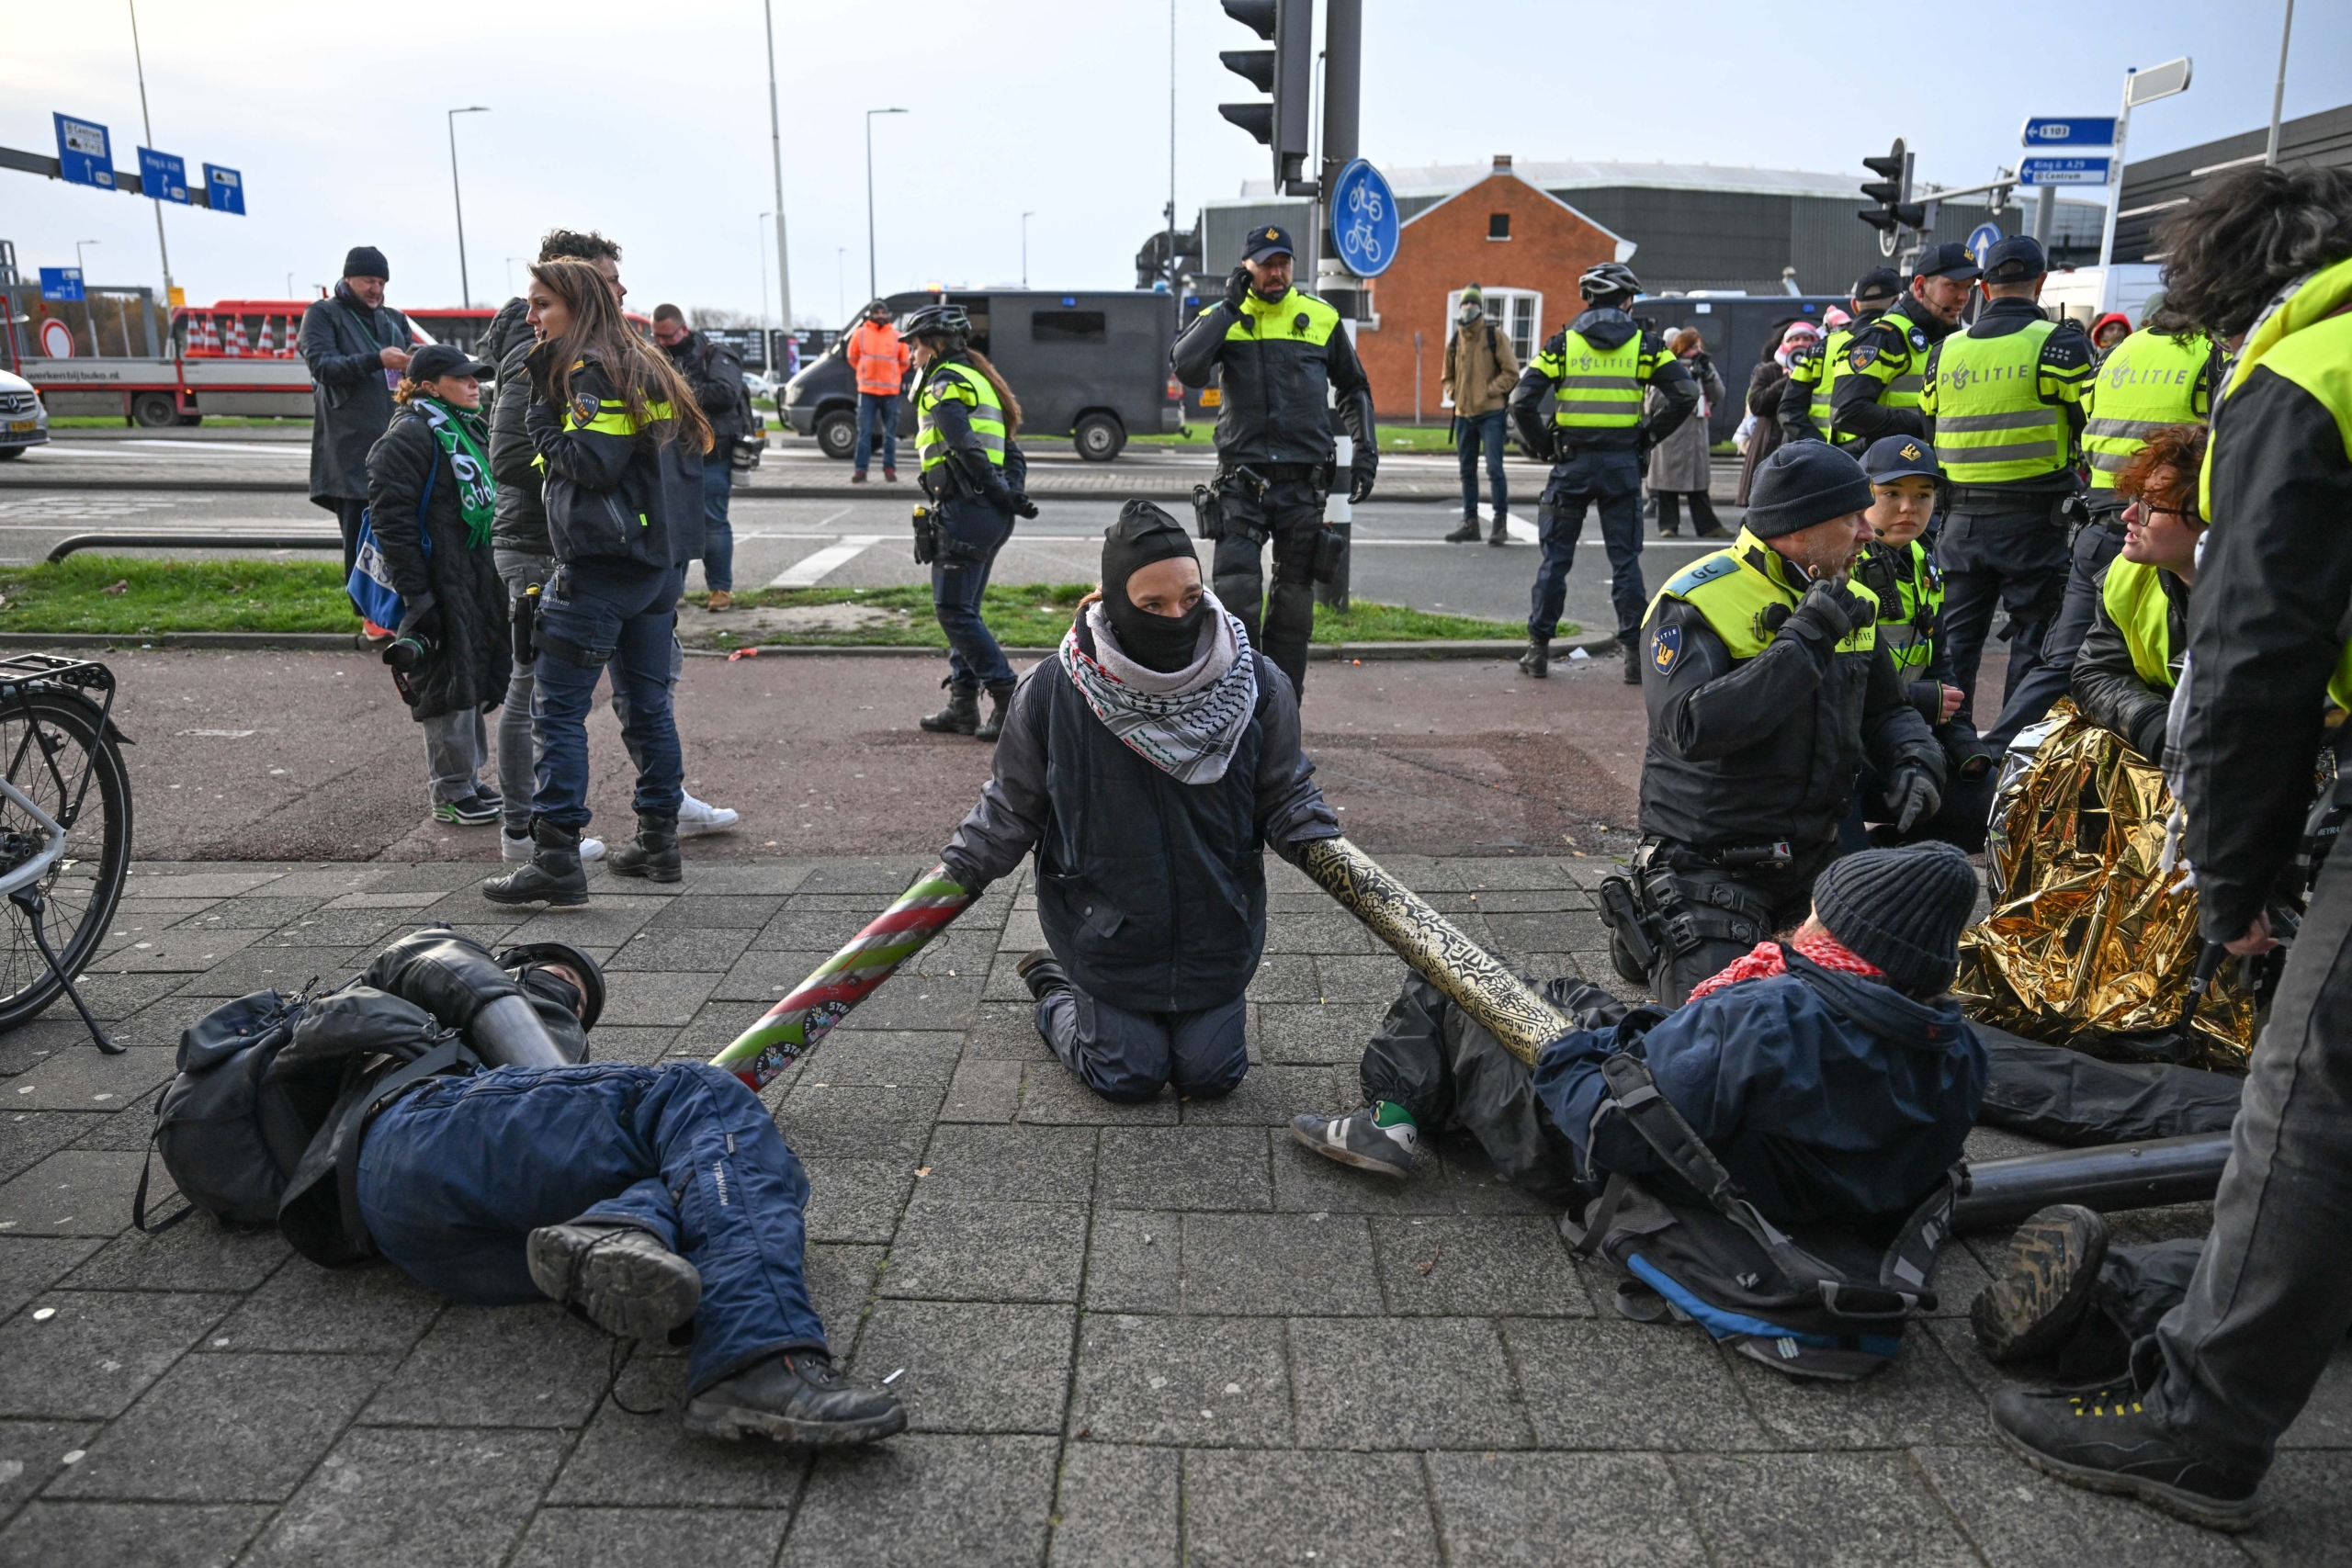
x: 965, y: 418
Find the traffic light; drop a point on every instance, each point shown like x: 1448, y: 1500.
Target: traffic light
x: 1892, y: 191
x: 1286, y: 72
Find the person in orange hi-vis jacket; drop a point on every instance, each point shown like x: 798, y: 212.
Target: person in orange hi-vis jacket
x: 879, y: 359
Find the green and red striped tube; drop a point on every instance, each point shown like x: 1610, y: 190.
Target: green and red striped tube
x: 847, y: 978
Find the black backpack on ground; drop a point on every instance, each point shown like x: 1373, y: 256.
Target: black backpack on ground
x: 1821, y: 1303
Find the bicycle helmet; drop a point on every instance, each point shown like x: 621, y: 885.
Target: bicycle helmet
x: 938, y: 321
x: 1608, y: 280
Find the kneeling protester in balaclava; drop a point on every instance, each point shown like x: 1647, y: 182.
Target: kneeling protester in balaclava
x: 1147, y: 764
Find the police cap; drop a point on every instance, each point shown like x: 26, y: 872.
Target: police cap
x: 1892, y: 456
x: 1879, y: 283
x: 2015, y: 260
x: 1952, y: 259
x: 1267, y: 242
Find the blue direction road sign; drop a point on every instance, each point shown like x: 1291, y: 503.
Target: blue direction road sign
x: 1363, y: 220
x: 225, y: 188
x: 162, y: 176
x: 2057, y: 130
x: 1982, y: 237
x: 2064, y: 171
x: 84, y: 156
x: 60, y: 283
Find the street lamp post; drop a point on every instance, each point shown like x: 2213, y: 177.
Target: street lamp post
x: 138, y: 59
x: 775, y: 146
x: 872, y: 287
x: 465, y: 285
x: 79, y: 265
x: 1024, y: 248
x: 763, y: 288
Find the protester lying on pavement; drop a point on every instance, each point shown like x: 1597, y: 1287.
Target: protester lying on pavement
x: 1146, y: 763
x: 644, y: 1198
x: 1827, y: 1071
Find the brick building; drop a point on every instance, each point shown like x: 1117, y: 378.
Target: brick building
x: 1523, y: 246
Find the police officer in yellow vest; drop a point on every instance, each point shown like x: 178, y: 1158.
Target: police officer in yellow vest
x: 1596, y: 370
x: 1805, y: 396
x: 1283, y: 353
x: 2163, y: 375
x: 1767, y: 689
x: 2003, y: 402
x: 966, y: 419
x: 1875, y: 390
x: 2262, y: 260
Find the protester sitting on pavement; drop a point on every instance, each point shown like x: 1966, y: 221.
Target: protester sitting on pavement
x: 1827, y: 1070
x: 715, y: 375
x: 356, y: 347
x: 2130, y: 661
x: 878, y: 358
x: 646, y: 1197
x: 976, y: 479
x: 1680, y: 469
x: 1480, y: 371
x: 1146, y: 763
x: 614, y: 424
x: 430, y: 495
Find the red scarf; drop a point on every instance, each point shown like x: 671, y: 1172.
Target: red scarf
x: 1765, y: 962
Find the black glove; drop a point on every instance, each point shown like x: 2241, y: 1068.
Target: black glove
x: 1024, y: 507
x: 540, y: 366
x: 1361, y: 474
x: 1237, y: 284
x: 1914, y: 795
x: 1830, y: 611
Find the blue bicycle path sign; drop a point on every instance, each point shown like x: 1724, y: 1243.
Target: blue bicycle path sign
x: 1363, y: 220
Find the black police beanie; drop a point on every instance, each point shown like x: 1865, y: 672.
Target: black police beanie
x: 367, y: 261
x: 1902, y: 909
x: 1804, y: 483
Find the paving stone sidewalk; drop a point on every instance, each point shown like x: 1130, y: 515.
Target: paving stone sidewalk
x: 1127, y: 1335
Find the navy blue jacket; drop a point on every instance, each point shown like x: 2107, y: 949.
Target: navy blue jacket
x: 1831, y: 1099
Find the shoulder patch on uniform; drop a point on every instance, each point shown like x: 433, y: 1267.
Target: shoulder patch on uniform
x: 1666, y: 649
x: 583, y: 408
x: 1919, y: 338
x: 1862, y: 355
x: 1700, y: 572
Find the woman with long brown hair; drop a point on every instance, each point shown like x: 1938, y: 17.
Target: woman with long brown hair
x: 622, y: 441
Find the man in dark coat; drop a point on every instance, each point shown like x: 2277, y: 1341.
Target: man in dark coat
x: 356, y: 347
x: 715, y: 375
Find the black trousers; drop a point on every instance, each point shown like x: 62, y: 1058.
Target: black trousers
x: 347, y: 513
x: 2004, y: 553
x: 1290, y: 514
x: 2095, y: 545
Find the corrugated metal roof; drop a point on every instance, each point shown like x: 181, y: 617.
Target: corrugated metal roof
x: 1574, y: 174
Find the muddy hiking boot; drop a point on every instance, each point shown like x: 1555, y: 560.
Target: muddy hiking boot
x: 1537, y: 660
x: 1000, y: 699
x: 795, y: 1396
x: 960, y: 717
x: 653, y: 854
x: 622, y: 1278
x: 1467, y: 534
x: 2038, y: 1299
x: 553, y: 877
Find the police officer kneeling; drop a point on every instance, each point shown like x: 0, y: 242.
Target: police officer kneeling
x: 1765, y: 687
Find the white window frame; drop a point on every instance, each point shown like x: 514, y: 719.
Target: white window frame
x: 1518, y: 306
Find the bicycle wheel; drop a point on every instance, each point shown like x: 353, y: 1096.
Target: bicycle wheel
x: 52, y: 749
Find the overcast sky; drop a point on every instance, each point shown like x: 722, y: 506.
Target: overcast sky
x: 650, y: 122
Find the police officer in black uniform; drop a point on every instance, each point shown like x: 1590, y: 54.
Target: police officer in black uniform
x: 1283, y: 350
x: 1767, y: 687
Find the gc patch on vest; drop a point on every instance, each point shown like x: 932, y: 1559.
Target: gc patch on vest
x: 1666, y: 649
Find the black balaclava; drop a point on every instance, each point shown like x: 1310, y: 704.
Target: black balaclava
x: 1143, y: 534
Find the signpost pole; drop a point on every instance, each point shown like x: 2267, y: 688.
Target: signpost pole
x: 147, y: 125
x: 2114, y: 202
x: 1342, y: 68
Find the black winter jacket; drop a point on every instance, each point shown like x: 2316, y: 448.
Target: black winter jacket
x: 521, y: 522
x: 1276, y: 406
x: 343, y: 341
x: 468, y: 667
x: 715, y: 375
x: 509, y: 325
x: 1152, y: 893
x: 2109, y: 691
x: 609, y: 496
x: 1901, y: 336
x: 1753, y: 751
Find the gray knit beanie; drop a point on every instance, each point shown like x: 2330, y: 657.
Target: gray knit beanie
x: 1902, y: 909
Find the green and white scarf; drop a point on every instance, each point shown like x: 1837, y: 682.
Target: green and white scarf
x: 459, y: 431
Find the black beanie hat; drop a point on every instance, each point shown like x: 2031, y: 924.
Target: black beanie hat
x: 1804, y: 483
x: 1902, y: 909
x: 366, y: 261
x: 1143, y: 534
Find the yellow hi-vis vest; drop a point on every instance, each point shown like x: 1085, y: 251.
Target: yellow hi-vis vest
x: 2134, y: 595
x: 1296, y: 316
x: 1991, y: 425
x: 1817, y: 371
x: 1598, y: 388
x: 2148, y: 382
x: 967, y: 386
x: 2308, y: 340
x: 1907, y: 628
x: 1734, y: 587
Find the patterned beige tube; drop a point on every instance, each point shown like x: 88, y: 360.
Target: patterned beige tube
x: 1437, y: 952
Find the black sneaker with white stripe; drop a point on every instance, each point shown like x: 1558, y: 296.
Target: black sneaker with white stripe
x: 1359, y: 1141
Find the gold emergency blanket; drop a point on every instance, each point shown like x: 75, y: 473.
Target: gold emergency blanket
x: 2088, y: 939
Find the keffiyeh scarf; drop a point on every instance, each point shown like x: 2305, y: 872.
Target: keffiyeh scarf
x: 1765, y: 960
x: 1186, y: 723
